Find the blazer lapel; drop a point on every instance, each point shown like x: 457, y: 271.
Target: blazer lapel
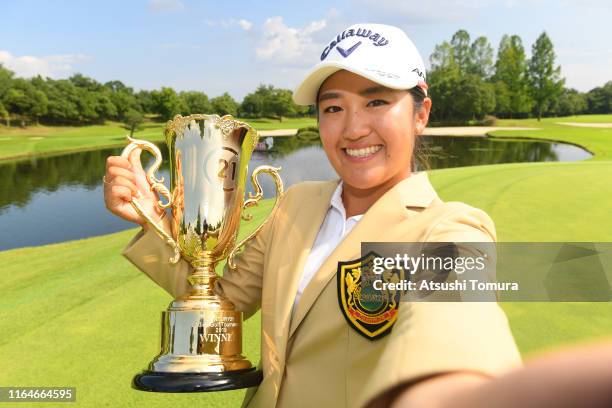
x: 392, y: 208
x: 299, y: 240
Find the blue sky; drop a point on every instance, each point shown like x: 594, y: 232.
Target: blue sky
x: 235, y: 45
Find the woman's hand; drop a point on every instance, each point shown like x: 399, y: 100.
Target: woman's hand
x: 125, y: 179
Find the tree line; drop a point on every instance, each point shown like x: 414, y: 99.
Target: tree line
x: 83, y: 100
x: 465, y: 83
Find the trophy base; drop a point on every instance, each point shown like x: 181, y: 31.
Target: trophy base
x: 197, y: 382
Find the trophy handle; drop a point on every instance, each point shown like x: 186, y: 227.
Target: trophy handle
x: 253, y: 201
x: 158, y: 186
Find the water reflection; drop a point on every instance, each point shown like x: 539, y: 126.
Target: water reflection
x: 60, y: 198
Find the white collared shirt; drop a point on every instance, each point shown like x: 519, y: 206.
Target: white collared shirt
x: 333, y: 230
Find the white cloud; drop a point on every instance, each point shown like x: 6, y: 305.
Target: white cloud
x: 166, y: 5
x: 242, y: 23
x: 246, y: 25
x: 286, y: 45
x: 53, y: 66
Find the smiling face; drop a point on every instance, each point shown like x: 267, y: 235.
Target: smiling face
x: 368, y: 130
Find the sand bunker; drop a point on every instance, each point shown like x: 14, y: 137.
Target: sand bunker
x: 592, y: 125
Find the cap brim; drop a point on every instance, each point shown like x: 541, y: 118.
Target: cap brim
x: 306, y: 92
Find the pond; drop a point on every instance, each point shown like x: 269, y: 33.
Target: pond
x: 60, y: 198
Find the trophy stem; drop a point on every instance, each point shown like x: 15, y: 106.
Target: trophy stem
x: 203, y: 277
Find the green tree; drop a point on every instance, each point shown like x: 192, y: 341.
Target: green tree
x: 81, y: 81
x: 481, y: 58
x: 196, y: 102
x: 87, y: 106
x: 94, y: 100
x: 121, y: 97
x: 133, y: 120
x: 258, y: 103
x: 460, y: 43
x: 570, y: 102
x: 251, y: 106
x: 511, y: 69
x: 281, y: 104
x: 224, y: 105
x: 6, y: 78
x: 145, y: 100
x: 40, y: 105
x: 123, y: 102
x: 599, y: 99
x: 545, y: 79
x: 474, y: 97
x: 443, y: 57
x: 503, y: 99
x: 118, y: 86
x: 63, y: 101
x: 107, y: 109
x: 167, y: 103
x: 468, y: 58
x: 457, y: 80
x: 4, y: 115
x: 442, y: 81
x: 25, y: 100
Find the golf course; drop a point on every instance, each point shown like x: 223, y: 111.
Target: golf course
x: 78, y: 314
x: 17, y: 143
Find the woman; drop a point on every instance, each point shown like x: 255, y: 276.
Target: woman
x: 372, y: 103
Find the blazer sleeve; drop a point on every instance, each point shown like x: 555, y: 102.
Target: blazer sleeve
x: 431, y: 338
x: 242, y: 286
x: 149, y: 253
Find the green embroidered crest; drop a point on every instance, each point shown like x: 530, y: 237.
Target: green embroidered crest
x: 370, y: 311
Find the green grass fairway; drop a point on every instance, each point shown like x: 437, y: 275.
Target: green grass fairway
x: 43, y: 140
x: 287, y: 123
x: 79, y: 314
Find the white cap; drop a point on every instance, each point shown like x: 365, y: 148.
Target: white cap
x: 381, y: 53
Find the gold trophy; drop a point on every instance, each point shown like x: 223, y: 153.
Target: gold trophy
x: 201, y: 336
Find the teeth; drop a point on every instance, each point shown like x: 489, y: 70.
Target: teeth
x: 366, y: 151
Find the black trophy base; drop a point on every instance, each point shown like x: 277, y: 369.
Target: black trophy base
x: 197, y: 382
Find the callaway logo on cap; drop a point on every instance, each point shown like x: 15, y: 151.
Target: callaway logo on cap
x: 381, y: 53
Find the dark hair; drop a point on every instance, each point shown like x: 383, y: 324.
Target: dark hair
x: 420, y: 150
x: 418, y: 95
